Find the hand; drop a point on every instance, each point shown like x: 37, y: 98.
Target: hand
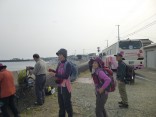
x: 101, y: 90
x: 120, y: 82
x: 52, y: 74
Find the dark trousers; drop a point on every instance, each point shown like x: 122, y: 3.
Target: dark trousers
x: 64, y: 100
x: 39, y: 88
x: 100, y: 105
x: 9, y: 102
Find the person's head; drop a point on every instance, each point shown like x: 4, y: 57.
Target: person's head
x: 97, y: 63
x: 62, y: 54
x: 118, y: 56
x: 36, y: 57
x: 2, y: 66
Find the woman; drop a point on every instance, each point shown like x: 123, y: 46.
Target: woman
x: 101, y: 81
x: 62, y: 75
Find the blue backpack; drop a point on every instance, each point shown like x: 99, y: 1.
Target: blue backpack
x: 74, y: 70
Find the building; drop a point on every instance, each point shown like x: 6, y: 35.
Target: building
x: 146, y: 42
x: 150, y: 56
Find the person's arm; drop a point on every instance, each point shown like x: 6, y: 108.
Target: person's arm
x: 105, y: 78
x: 36, y: 69
x: 122, y: 71
x: 66, y: 74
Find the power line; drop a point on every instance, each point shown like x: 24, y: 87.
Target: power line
x: 145, y: 27
x: 140, y: 23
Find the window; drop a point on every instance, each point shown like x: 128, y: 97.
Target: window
x: 130, y: 44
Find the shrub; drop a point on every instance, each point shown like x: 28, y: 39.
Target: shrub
x: 22, y: 74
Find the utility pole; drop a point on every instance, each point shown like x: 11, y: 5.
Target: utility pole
x: 118, y: 32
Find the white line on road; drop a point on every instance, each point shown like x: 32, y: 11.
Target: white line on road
x: 140, y: 77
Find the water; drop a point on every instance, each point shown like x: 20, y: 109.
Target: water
x: 15, y: 66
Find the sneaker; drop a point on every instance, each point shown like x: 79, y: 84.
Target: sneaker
x: 123, y: 106
x: 120, y: 102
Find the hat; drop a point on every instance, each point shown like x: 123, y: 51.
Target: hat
x: 99, y: 61
x: 2, y: 66
x: 63, y: 52
x: 119, y: 54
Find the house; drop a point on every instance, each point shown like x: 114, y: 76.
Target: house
x: 150, y: 56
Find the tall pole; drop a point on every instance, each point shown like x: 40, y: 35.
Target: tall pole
x: 118, y: 33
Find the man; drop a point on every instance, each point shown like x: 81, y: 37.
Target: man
x: 7, y: 91
x: 62, y: 75
x: 121, y: 73
x: 40, y: 72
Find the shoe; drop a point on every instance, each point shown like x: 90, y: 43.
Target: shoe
x: 123, y: 106
x: 36, y: 103
x: 120, y: 102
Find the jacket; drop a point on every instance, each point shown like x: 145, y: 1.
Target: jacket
x: 121, y: 71
x: 7, y: 87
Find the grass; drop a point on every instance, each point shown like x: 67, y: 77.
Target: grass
x: 85, y: 74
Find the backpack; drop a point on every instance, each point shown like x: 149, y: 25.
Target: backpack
x: 130, y: 74
x: 74, y: 70
x: 100, y: 82
x: 112, y: 85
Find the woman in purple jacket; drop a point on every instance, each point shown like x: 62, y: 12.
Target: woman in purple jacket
x: 101, y: 81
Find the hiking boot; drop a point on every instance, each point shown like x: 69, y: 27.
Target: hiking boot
x: 120, y: 102
x: 123, y: 106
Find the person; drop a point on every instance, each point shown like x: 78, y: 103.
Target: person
x: 101, y: 82
x: 62, y: 76
x: 7, y: 92
x: 40, y: 73
x: 121, y: 73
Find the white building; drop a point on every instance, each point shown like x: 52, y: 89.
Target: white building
x: 150, y: 56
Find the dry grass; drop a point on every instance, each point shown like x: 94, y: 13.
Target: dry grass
x: 85, y: 74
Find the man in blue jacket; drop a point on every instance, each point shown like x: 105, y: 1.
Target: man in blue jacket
x: 121, y: 73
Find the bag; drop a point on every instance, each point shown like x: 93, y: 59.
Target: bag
x: 112, y: 85
x: 130, y: 74
x: 49, y: 90
x: 100, y: 82
x: 74, y: 70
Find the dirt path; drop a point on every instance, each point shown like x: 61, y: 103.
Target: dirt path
x: 141, y: 96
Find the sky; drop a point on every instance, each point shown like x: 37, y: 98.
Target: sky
x: 80, y: 26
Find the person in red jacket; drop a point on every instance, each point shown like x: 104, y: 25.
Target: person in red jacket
x: 7, y: 91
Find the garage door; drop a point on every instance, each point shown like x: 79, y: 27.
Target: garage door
x: 151, y: 59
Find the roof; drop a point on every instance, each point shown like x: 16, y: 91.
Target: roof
x: 150, y: 46
x: 146, y: 42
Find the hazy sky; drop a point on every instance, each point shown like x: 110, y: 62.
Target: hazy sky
x: 44, y: 26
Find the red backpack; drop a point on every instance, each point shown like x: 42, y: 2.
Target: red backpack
x: 109, y: 73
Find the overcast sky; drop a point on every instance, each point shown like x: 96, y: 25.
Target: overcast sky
x: 80, y: 26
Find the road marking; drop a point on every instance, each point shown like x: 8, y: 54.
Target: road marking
x: 140, y: 77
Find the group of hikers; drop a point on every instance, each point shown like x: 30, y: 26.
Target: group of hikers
x: 61, y: 76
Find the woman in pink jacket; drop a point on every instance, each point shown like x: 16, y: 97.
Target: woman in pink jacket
x: 101, y: 81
